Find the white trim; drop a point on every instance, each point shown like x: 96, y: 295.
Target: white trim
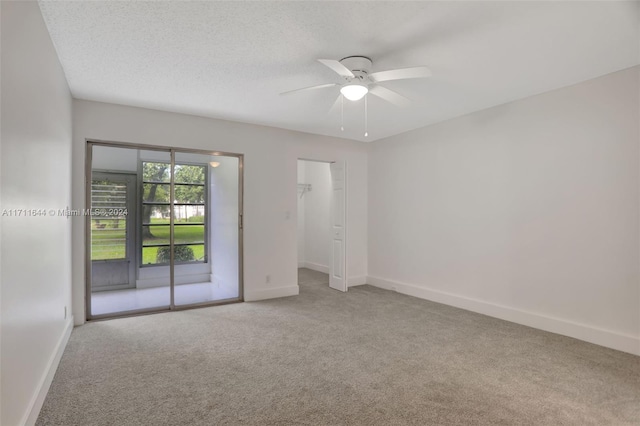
x: 271, y: 293
x: 316, y: 267
x: 598, y: 336
x: 35, y: 405
x: 179, y: 280
x: 301, y: 264
x: 215, y: 280
x: 355, y: 281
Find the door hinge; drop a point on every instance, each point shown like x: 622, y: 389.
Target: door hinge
x: 241, y: 225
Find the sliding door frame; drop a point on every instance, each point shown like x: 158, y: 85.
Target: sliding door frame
x: 89, y: 144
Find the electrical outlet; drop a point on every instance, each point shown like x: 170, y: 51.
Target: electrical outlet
x: 267, y: 279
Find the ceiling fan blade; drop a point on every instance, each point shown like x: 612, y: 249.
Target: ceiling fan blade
x: 337, y: 67
x: 400, y: 74
x: 389, y: 96
x: 320, y: 86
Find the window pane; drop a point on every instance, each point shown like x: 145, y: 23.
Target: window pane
x: 108, y: 195
x: 153, y: 235
x: 108, y: 223
x: 190, y: 253
x: 161, y: 255
x: 189, y: 189
x: 156, y: 172
x: 159, y: 193
x: 189, y: 234
x: 189, y: 174
x: 155, y: 215
x: 189, y: 214
x: 150, y: 255
x: 198, y: 251
x: 189, y: 194
x: 108, y: 239
x: 155, y: 193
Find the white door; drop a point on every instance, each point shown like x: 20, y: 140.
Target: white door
x: 338, y: 267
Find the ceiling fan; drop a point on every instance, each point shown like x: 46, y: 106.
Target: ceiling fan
x: 358, y: 81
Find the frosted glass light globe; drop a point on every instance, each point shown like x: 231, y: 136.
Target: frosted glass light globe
x: 354, y: 92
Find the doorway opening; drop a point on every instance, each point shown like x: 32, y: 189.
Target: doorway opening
x: 164, y: 230
x: 321, y: 222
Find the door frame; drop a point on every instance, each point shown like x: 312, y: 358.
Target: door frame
x: 89, y: 144
x: 345, y: 209
x: 131, y: 180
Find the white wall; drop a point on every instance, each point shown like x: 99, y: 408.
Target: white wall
x: 528, y: 211
x: 35, y: 279
x: 316, y: 207
x: 270, y: 200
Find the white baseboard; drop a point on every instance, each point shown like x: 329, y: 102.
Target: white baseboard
x: 271, y: 293
x: 354, y: 281
x: 598, y: 336
x: 30, y: 417
x: 316, y: 267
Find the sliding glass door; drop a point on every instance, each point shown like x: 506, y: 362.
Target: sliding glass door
x: 164, y: 230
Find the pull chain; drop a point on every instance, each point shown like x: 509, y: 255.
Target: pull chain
x: 366, y: 119
x: 341, y: 113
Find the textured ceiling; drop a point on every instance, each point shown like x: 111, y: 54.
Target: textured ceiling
x: 231, y: 60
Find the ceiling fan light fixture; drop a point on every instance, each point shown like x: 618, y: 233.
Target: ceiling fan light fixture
x: 354, y: 92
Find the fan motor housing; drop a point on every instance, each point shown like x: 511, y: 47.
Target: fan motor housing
x: 357, y: 64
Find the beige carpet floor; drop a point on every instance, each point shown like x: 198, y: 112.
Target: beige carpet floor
x: 367, y: 357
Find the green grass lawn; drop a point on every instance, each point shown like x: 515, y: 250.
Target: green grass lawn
x: 108, y: 239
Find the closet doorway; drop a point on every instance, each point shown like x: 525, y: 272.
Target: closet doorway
x: 164, y: 229
x: 321, y: 217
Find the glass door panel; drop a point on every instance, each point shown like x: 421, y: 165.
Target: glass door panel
x: 206, y: 231
x: 124, y: 278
